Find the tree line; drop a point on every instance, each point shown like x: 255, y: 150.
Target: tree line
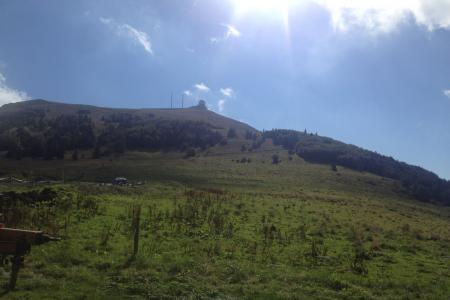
x: 39, y: 136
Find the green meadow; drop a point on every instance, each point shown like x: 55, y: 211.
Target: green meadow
x: 227, y: 225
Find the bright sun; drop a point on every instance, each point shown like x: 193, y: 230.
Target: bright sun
x: 273, y: 7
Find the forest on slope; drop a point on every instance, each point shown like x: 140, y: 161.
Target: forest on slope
x: 41, y: 129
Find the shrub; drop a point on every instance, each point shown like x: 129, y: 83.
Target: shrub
x: 250, y: 135
x: 232, y: 133
x: 190, y: 153
x: 318, y: 250
x: 96, y: 153
x: 275, y: 159
x: 75, y: 155
x: 360, y: 256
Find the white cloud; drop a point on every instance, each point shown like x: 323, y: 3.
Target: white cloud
x: 231, y: 32
x: 201, y: 87
x: 187, y: 93
x: 227, y: 92
x: 434, y: 14
x: 385, y: 15
x: 126, y: 30
x: 221, y: 104
x: 9, y: 95
x: 139, y: 36
x: 105, y: 21
x: 447, y: 93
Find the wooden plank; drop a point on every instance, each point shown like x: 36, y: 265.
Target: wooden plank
x: 8, y: 248
x: 10, y: 234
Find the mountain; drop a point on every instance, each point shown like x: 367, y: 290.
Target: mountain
x: 227, y: 211
x: 21, y: 112
x: 40, y: 128
x: 47, y: 130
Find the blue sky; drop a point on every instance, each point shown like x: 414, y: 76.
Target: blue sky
x: 371, y: 73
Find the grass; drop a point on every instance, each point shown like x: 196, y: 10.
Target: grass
x: 215, y: 228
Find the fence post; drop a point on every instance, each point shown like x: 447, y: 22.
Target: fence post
x: 22, y: 247
x: 136, y: 223
x: 16, y: 261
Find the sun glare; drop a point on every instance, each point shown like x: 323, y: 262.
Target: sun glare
x: 273, y: 7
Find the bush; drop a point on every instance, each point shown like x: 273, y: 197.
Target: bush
x: 96, y: 153
x: 75, y: 155
x: 232, y: 133
x: 250, y: 135
x: 360, y: 256
x: 190, y: 153
x: 275, y: 159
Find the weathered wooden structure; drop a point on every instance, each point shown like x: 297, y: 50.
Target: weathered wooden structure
x: 17, y: 243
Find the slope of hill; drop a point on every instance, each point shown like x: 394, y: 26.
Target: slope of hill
x: 262, y: 216
x: 43, y: 129
x: 16, y: 113
x: 422, y: 184
x: 225, y: 225
x: 40, y: 128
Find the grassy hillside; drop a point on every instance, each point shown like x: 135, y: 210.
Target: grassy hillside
x: 42, y: 129
x: 215, y: 228
x: 420, y: 183
x: 252, y: 218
